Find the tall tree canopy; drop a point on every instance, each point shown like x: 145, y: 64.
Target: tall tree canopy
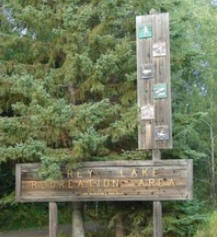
x: 68, y: 84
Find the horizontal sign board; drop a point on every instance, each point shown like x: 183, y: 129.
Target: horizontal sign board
x: 108, y: 181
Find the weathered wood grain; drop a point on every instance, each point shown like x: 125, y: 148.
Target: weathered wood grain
x: 157, y: 219
x: 157, y: 206
x: 53, y: 219
x: 145, y: 94
x: 109, y: 181
x: 18, y: 182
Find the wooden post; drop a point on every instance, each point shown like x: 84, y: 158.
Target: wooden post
x: 157, y: 207
x: 154, y: 91
x: 153, y: 82
x: 53, y: 219
x: 157, y: 219
x: 77, y: 221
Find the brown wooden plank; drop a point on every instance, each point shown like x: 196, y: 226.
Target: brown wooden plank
x: 157, y: 206
x: 53, y: 219
x: 190, y: 183
x: 117, y: 163
x: 145, y: 87
x: 18, y: 182
x: 157, y: 219
x: 119, y: 180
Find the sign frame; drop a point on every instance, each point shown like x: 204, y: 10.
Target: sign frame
x: 173, y: 166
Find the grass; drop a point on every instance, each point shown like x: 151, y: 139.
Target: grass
x: 210, y: 229
x: 31, y: 216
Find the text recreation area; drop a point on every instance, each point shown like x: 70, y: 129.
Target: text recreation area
x: 123, y: 180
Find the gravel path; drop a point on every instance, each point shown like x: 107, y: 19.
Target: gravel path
x: 43, y: 232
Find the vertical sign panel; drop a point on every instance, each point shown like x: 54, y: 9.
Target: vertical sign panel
x: 154, y: 49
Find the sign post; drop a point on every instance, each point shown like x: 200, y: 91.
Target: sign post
x: 53, y: 219
x: 157, y: 207
x: 154, y: 92
x: 108, y: 181
x: 151, y: 180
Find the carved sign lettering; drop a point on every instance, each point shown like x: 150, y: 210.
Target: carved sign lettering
x: 113, y: 181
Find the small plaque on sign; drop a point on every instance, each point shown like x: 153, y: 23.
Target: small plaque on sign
x: 161, y: 133
x: 159, y: 49
x: 146, y: 71
x: 145, y: 31
x: 147, y: 112
x: 160, y: 91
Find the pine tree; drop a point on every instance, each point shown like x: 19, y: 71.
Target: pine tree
x: 68, y: 82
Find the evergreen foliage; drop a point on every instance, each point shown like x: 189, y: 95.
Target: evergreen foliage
x: 68, y: 93
x: 208, y: 230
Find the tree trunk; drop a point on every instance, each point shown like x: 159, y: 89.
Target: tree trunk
x: 213, y: 182
x: 119, y: 227
x: 72, y: 93
x: 77, y: 221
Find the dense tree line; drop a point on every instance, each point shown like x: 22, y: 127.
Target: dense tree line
x: 68, y: 94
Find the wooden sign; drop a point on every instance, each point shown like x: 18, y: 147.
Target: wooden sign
x: 145, y: 31
x: 156, y: 91
x: 147, y: 112
x: 146, y: 71
x: 159, y: 49
x: 162, y: 133
x: 108, y: 181
x: 160, y: 91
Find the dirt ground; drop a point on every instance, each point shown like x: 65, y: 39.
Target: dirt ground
x: 43, y: 232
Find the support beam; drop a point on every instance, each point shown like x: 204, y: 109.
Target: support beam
x: 77, y: 220
x: 157, y: 219
x: 157, y: 207
x: 156, y: 155
x: 53, y: 219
